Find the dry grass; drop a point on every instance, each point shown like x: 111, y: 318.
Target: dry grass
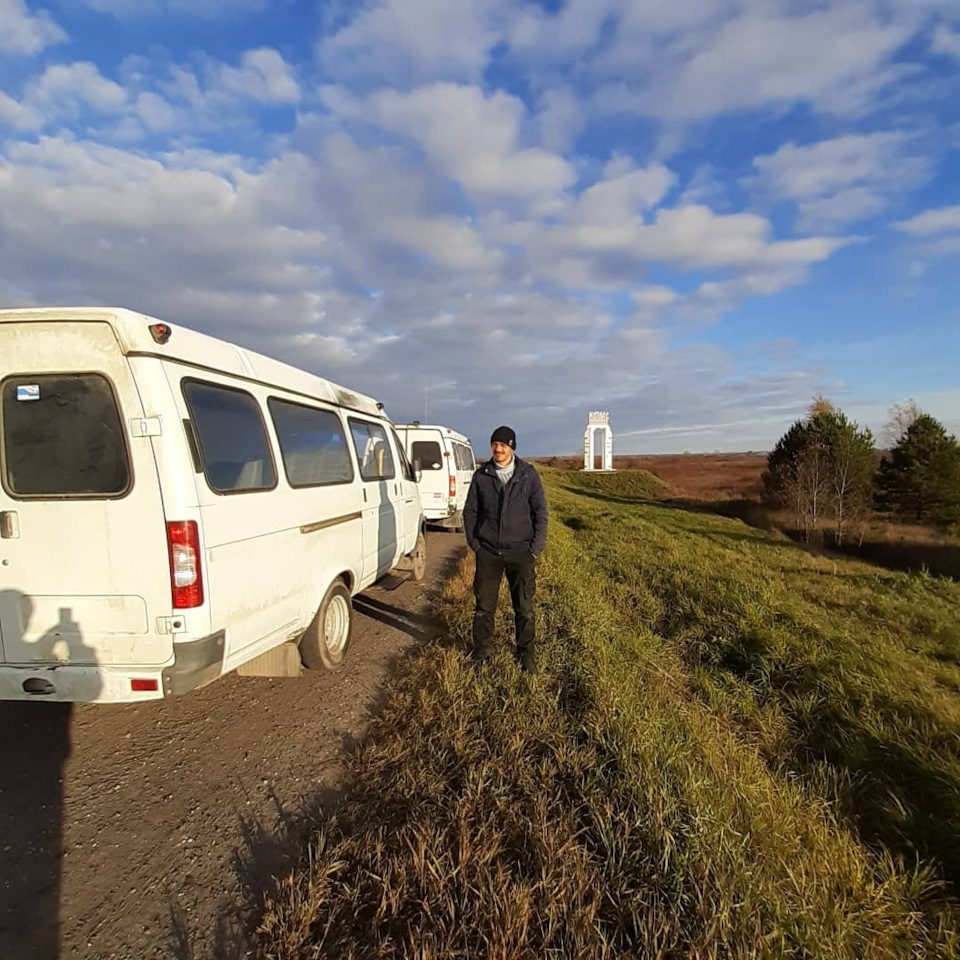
x: 700, y: 476
x: 685, y: 779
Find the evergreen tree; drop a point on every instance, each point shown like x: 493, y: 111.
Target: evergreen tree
x: 921, y: 479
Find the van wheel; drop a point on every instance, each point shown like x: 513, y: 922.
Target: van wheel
x: 326, y: 640
x: 419, y: 558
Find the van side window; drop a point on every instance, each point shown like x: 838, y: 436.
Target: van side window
x: 462, y: 455
x: 313, y: 446
x: 233, y: 441
x: 428, y: 453
x: 373, y: 450
x: 62, y: 436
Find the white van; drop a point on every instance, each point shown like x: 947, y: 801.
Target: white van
x: 173, y: 507
x: 446, y: 465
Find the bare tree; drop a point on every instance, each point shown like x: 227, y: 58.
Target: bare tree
x: 851, y: 464
x: 900, y: 418
x: 812, y: 480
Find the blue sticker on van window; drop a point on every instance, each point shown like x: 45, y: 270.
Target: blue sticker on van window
x: 30, y: 391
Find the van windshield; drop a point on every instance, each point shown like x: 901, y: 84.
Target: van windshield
x: 428, y: 453
x: 62, y: 437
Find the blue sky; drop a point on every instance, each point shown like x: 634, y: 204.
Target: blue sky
x: 693, y: 213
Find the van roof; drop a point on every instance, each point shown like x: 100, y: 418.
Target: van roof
x: 446, y: 431
x: 201, y: 350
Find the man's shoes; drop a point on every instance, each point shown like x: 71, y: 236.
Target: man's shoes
x: 528, y: 663
x: 478, y: 659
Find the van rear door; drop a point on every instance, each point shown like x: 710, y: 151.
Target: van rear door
x: 427, y: 447
x: 85, y: 565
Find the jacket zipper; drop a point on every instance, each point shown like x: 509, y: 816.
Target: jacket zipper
x: 504, y: 493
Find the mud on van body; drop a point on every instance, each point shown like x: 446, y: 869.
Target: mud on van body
x: 173, y: 506
x: 446, y: 465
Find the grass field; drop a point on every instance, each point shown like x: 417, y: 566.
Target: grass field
x: 737, y: 748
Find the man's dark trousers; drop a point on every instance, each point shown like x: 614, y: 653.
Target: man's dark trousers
x: 521, y: 574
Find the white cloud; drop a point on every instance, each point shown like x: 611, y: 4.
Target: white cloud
x: 203, y: 9
x: 156, y: 114
x: 623, y: 192
x: 564, y: 35
x: 690, y: 237
x: 62, y: 92
x: 834, y: 59
x: 159, y: 99
x: 473, y: 138
x: 411, y: 42
x: 25, y: 33
x: 842, y: 180
x: 946, y: 41
x: 706, y: 187
x: 655, y: 296
x: 561, y: 119
x: 86, y: 221
x: 686, y: 60
x: 939, y: 220
x: 18, y: 115
x: 263, y: 75
x: 63, y: 87
x: 448, y: 241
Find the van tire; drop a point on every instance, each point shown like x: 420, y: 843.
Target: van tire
x: 327, y: 639
x: 419, y: 558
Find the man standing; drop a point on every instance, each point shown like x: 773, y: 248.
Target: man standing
x: 505, y: 519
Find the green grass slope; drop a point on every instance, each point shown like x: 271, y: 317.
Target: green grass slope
x: 737, y: 749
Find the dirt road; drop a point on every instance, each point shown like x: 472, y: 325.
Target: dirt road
x: 146, y: 830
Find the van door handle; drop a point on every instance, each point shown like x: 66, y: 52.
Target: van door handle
x: 9, y: 525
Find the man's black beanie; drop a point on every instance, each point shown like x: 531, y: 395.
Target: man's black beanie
x: 504, y: 435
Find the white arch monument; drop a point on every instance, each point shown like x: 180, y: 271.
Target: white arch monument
x: 598, y: 420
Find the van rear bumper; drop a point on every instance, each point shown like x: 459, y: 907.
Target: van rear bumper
x: 76, y: 684
x: 434, y: 514
x: 195, y: 663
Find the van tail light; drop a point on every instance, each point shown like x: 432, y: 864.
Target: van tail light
x: 186, y: 577
x: 453, y: 487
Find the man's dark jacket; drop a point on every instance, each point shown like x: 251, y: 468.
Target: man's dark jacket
x: 505, y: 519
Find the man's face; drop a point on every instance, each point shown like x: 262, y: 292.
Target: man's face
x: 502, y: 453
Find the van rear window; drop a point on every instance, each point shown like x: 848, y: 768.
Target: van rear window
x: 63, y: 437
x: 463, y: 456
x: 428, y: 453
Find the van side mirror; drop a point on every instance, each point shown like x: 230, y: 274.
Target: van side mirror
x: 417, y: 472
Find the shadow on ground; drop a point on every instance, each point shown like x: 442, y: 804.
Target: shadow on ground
x: 36, y: 745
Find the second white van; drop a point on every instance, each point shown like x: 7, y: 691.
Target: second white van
x: 447, y: 464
